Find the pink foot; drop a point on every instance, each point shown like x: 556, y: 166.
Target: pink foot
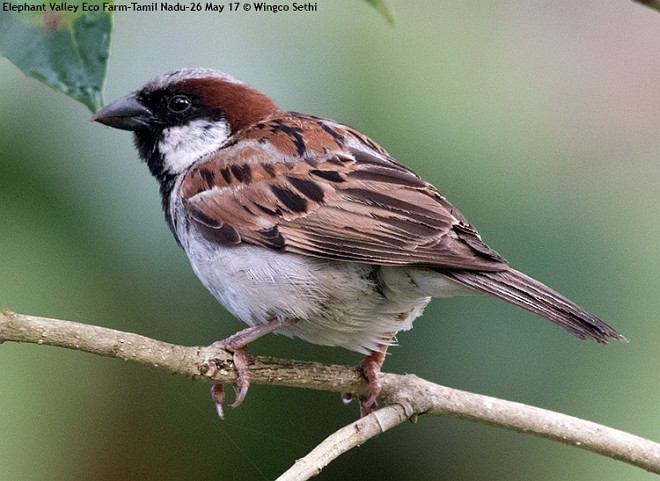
x: 237, y: 345
x: 371, y: 370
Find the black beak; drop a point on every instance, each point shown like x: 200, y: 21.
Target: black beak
x: 126, y: 113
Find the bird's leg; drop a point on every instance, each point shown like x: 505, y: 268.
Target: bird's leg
x: 237, y: 344
x: 371, y: 370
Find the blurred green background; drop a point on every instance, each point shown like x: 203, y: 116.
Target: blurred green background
x: 539, y: 120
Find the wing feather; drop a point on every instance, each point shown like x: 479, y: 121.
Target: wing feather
x: 345, y: 198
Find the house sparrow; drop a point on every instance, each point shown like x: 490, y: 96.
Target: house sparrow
x: 305, y: 227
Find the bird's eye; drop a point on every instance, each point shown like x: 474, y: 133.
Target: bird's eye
x: 179, y: 104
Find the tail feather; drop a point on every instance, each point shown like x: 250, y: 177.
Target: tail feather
x: 520, y: 290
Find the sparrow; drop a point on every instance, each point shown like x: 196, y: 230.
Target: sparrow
x: 305, y: 227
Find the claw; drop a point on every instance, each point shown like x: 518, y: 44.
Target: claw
x: 371, y: 370
x: 218, y: 396
x: 237, y: 344
x: 242, y: 384
x: 346, y: 398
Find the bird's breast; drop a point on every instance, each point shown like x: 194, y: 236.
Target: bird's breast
x: 335, y: 303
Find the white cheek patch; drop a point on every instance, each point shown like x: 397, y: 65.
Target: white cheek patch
x: 183, y: 145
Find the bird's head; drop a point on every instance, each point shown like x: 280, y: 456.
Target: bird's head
x: 183, y: 115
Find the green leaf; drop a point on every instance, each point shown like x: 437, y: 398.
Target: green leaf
x: 67, y: 50
x: 383, y: 8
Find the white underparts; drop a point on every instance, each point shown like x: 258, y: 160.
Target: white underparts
x: 334, y: 303
x: 183, y: 145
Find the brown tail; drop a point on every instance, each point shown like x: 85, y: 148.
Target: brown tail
x: 529, y: 294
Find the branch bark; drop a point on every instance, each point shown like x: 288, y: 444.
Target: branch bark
x: 403, y: 396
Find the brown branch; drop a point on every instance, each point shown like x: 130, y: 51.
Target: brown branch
x: 404, y: 397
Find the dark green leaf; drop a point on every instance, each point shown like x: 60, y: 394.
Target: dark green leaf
x: 66, y: 50
x: 383, y: 8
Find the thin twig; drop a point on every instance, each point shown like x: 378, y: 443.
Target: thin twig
x: 403, y: 396
x: 348, y: 437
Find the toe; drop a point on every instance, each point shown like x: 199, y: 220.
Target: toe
x: 218, y: 396
x: 242, y: 384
